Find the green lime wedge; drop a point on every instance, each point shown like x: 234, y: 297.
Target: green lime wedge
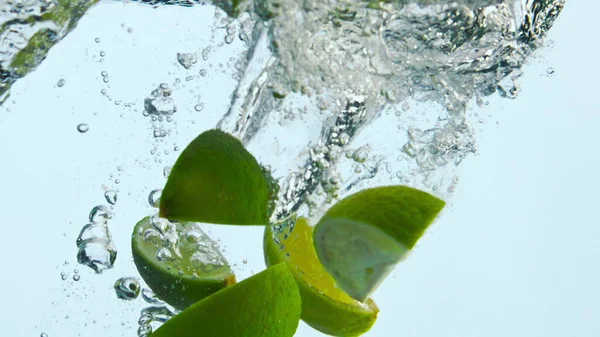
x: 264, y: 305
x: 325, y: 307
x: 363, y: 237
x: 178, y: 261
x: 215, y: 180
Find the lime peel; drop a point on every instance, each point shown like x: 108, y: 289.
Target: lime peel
x: 264, y: 305
x: 216, y: 180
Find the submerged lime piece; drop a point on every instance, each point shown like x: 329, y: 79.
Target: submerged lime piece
x: 215, y: 180
x: 178, y: 261
x: 363, y: 237
x: 325, y: 307
x: 264, y: 305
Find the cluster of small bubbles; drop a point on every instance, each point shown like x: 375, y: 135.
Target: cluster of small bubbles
x: 111, y: 196
x: 105, y: 76
x: 187, y: 60
x: 83, y: 128
x: 95, y: 246
x: 60, y: 82
x: 231, y: 30
x: 63, y: 276
x: 127, y: 288
x: 205, y: 53
x: 154, y: 198
x: 161, y: 313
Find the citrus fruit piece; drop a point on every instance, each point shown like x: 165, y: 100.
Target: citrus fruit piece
x: 264, y: 305
x: 325, y: 307
x: 216, y: 180
x: 178, y: 261
x: 363, y: 237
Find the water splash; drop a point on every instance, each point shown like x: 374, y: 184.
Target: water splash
x: 28, y: 29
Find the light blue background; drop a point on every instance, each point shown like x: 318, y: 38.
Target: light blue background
x: 515, y: 254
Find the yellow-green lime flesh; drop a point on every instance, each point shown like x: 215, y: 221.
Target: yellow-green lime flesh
x: 325, y: 307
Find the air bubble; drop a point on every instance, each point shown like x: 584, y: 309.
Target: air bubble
x: 187, y: 60
x: 145, y: 319
x: 111, y: 196
x: 150, y: 297
x: 100, y: 214
x: 60, y: 82
x: 166, y: 171
x: 164, y: 254
x: 127, y: 288
x: 76, y: 278
x: 83, y: 128
x: 144, y: 330
x: 154, y: 198
x: 98, y: 254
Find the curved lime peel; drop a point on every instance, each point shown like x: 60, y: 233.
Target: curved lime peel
x: 363, y: 237
x: 216, y: 180
x: 267, y: 304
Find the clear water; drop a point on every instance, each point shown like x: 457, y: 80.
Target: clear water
x: 307, y: 86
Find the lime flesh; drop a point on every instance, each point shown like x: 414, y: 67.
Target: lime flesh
x: 264, y: 305
x: 325, y: 307
x: 180, y: 263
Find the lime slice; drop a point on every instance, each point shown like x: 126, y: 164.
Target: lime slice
x: 364, y: 236
x: 264, y: 305
x: 216, y: 180
x: 324, y: 306
x: 180, y: 263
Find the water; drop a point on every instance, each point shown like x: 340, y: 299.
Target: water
x: 313, y: 86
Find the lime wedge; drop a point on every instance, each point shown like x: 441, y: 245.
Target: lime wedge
x: 264, y: 305
x: 363, y: 237
x: 325, y: 307
x: 216, y: 180
x: 180, y: 263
